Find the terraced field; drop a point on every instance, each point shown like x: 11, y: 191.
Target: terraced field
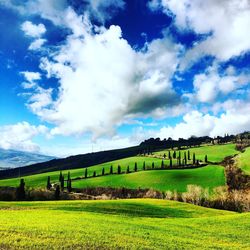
x: 120, y: 224
x: 243, y: 161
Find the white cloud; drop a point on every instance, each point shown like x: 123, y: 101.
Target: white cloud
x: 31, y: 76
x: 33, y: 30
x: 37, y: 44
x: 234, y: 120
x: 227, y: 21
x: 19, y: 136
x: 103, y: 81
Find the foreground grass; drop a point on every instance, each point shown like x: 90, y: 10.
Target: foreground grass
x: 120, y: 224
x: 243, y: 161
x: 215, y: 153
x: 207, y: 177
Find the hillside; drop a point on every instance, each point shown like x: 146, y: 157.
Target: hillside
x: 139, y: 224
x: 243, y: 161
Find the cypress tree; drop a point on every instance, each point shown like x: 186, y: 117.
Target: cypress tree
x: 162, y: 164
x: 135, y: 166
x: 206, y: 158
x: 185, y: 158
x: 164, y: 156
x: 194, y: 159
x: 119, y: 169
x: 62, y: 182
x: 189, y: 155
x: 170, y: 162
x: 169, y: 154
x: 144, y: 166
x: 174, y: 155
x: 68, y: 175
x: 69, y: 186
x: 57, y: 192
x: 103, y: 171
x: 60, y: 176
x: 48, y: 183
x: 94, y: 174
x: 20, y: 192
x: 180, y: 155
x: 128, y: 171
x: 153, y: 165
x: 86, y: 173
x: 111, y: 169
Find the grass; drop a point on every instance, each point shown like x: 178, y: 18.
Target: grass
x: 120, y: 224
x: 207, y: 177
x: 215, y: 153
x: 243, y: 161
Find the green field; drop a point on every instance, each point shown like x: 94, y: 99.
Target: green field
x: 39, y: 180
x: 120, y: 224
x: 243, y: 161
x: 215, y: 153
x: 209, y: 176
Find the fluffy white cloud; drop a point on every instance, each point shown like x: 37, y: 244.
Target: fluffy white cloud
x: 208, y: 85
x: 37, y: 44
x: 232, y: 121
x: 104, y: 81
x: 227, y: 23
x: 31, y: 76
x: 33, y: 30
x: 19, y: 136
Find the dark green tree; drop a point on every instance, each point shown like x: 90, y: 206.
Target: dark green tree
x: 69, y: 185
x: 119, y: 169
x: 62, y: 183
x: 48, y: 183
x: 57, y: 192
x: 189, y: 155
x: 86, y: 173
x: 128, y: 171
x: 164, y: 156
x: 174, y: 155
x: 135, y: 167
x: 144, y: 166
x: 60, y: 176
x: 103, y: 171
x: 180, y: 155
x: 162, y: 164
x: 206, y: 158
x: 94, y: 174
x: 111, y: 169
x: 20, y: 192
x: 170, y: 162
x: 185, y: 158
x: 68, y: 175
x: 169, y: 154
x: 153, y: 165
x: 194, y: 159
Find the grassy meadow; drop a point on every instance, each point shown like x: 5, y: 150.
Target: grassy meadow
x: 207, y: 177
x: 243, y: 161
x: 120, y: 224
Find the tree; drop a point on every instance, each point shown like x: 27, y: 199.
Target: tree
x: 153, y: 165
x: 69, y: 186
x: 103, y: 171
x: 68, y: 175
x: 189, y: 155
x: 194, y: 159
x: 20, y: 192
x: 119, y: 169
x: 206, y: 158
x: 111, y: 169
x: 180, y: 155
x: 62, y: 182
x: 135, y: 166
x: 169, y: 154
x: 94, y: 174
x: 60, y: 176
x: 162, y: 164
x: 48, y: 183
x: 174, y: 155
x: 164, y: 156
x: 170, y: 162
x: 128, y: 171
x: 185, y: 158
x: 144, y: 166
x: 57, y: 192
x: 86, y: 173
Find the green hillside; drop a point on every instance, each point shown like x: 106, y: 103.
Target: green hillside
x: 209, y: 176
x: 120, y: 224
x: 243, y: 161
x: 215, y: 153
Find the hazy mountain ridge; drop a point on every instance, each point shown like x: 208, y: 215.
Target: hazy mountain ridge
x: 13, y: 158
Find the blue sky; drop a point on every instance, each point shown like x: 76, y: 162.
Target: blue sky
x: 77, y: 76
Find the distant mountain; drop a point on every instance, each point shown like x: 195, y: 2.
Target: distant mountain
x: 12, y: 158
